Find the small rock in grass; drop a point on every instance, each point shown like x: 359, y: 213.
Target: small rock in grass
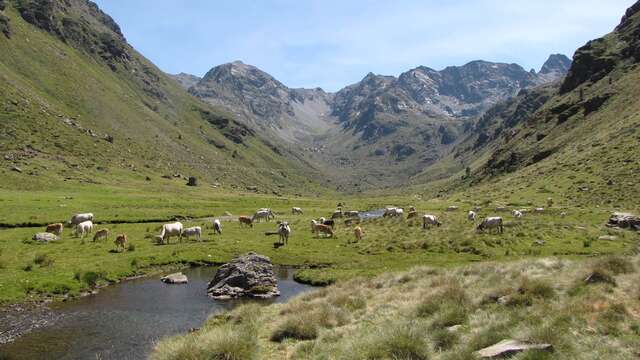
x: 506, y: 348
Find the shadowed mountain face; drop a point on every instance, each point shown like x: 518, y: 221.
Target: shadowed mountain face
x: 577, y: 137
x: 405, y: 122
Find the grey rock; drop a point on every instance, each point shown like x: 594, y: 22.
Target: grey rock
x: 608, y: 237
x: 45, y: 237
x: 249, y: 275
x: 506, y: 348
x: 176, y: 278
x: 624, y: 221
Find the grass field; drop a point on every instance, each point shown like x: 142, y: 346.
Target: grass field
x: 434, y: 313
x: 29, y: 270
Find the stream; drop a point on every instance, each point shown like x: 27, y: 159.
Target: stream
x: 123, y: 321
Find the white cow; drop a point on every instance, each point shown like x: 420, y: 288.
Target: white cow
x: 428, y: 220
x: 393, y: 212
x: 284, y: 231
x: 217, y: 227
x: 472, y: 215
x: 491, y: 223
x: 78, y: 218
x: 169, y: 230
x: 192, y: 231
x: 517, y: 214
x: 84, y: 228
x: 296, y: 211
x: 266, y: 214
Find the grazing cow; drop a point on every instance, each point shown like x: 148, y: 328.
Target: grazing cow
x: 472, y: 215
x: 120, y: 241
x: 192, y: 231
x: 412, y: 208
x: 284, y: 231
x: 491, y: 223
x: 329, y: 222
x: 296, y: 211
x: 101, y: 234
x: 169, y: 230
x: 428, y: 220
x: 325, y: 229
x: 393, y: 212
x: 352, y: 214
x: 78, y: 218
x: 266, y: 214
x: 412, y: 214
x: 517, y: 214
x: 55, y: 228
x: 538, y: 210
x: 336, y: 214
x: 245, y: 220
x: 84, y: 228
x: 217, y: 227
x: 452, y: 208
x: 549, y: 202
x: 358, y: 233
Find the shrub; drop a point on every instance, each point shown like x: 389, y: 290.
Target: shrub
x: 444, y: 339
x: 600, y: 275
x: 394, y: 342
x: 43, y: 260
x: 295, y: 327
x: 616, y: 265
x: 450, y: 315
x: 91, y: 278
x: 28, y: 267
x: 452, y: 295
x: 132, y: 247
x: 531, y: 290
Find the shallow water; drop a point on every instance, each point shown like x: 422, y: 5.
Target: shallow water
x: 123, y: 321
x: 372, y: 214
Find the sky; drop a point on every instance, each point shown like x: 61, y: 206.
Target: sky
x: 334, y: 43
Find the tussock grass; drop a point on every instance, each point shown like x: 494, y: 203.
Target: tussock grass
x: 429, y: 313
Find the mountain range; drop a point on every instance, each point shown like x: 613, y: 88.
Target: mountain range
x: 403, y: 122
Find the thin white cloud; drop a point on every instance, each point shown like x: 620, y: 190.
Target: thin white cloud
x: 332, y: 43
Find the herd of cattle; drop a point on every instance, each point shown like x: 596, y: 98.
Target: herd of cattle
x: 82, y: 224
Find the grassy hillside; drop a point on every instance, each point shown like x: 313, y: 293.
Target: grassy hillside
x: 80, y: 105
x: 575, y: 141
x: 431, y: 313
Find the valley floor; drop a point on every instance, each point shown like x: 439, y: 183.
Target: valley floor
x: 33, y: 271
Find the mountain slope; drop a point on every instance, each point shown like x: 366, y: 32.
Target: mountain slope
x: 263, y: 102
x: 577, y: 139
x: 80, y: 104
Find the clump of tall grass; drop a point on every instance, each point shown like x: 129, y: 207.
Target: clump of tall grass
x: 397, y: 341
x: 234, y: 339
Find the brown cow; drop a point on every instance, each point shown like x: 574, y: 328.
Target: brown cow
x: 55, y: 228
x: 358, y: 233
x: 101, y: 234
x: 121, y: 241
x: 246, y: 220
x: 325, y: 229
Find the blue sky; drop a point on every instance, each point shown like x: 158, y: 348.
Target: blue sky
x: 333, y: 43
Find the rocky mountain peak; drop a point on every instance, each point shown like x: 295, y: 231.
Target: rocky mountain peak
x: 556, y: 63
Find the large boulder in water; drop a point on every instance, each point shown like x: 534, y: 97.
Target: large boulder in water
x: 249, y: 275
